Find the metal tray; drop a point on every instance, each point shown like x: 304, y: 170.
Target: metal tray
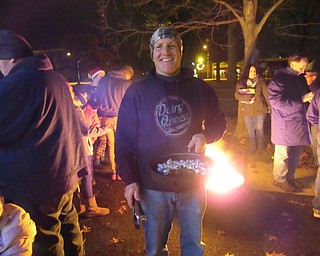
x: 183, y: 179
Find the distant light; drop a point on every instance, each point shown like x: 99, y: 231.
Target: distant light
x: 200, y: 66
x: 279, y: 57
x: 68, y: 54
x: 200, y: 60
x: 195, y: 72
x: 205, y: 47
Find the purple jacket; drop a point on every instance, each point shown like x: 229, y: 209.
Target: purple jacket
x: 313, y: 111
x: 289, y: 126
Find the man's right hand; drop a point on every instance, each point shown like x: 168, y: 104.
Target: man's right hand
x: 132, y: 191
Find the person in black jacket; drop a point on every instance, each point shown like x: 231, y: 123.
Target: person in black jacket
x: 168, y: 112
x: 110, y: 91
x: 41, y: 149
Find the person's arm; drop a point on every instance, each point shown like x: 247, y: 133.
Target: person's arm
x: 282, y: 102
x: 241, y: 96
x: 198, y: 142
x: 95, y: 132
x: 131, y: 192
x: 265, y: 92
x: 313, y: 110
x: 126, y: 139
x: 19, y: 231
x: 215, y: 122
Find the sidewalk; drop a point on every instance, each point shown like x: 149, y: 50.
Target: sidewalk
x: 259, y: 177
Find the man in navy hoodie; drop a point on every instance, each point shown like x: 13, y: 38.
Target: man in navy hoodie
x: 170, y: 111
x: 41, y: 149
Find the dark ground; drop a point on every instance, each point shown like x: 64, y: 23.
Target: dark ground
x: 245, y: 222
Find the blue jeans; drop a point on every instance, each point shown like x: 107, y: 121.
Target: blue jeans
x: 314, y: 145
x: 254, y: 125
x: 86, y: 181
x: 286, y: 161
x: 160, y: 208
x: 316, y: 199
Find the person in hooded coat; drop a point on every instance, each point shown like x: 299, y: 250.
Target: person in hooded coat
x: 41, y: 149
x: 288, y: 94
x: 168, y: 112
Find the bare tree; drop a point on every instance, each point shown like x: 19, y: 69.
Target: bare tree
x: 300, y: 26
x: 248, y: 21
x: 138, y: 18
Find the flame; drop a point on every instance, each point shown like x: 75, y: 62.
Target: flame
x: 222, y: 176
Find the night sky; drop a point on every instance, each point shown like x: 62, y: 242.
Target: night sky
x: 44, y: 22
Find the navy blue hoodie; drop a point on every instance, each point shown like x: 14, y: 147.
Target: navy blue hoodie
x: 41, y: 148
x: 110, y: 91
x: 158, y: 116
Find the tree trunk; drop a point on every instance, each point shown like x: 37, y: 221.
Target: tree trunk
x: 250, y: 38
x: 232, y: 55
x: 240, y: 131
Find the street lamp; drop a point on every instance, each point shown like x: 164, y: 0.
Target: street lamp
x: 205, y: 48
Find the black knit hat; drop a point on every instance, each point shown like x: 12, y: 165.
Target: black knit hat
x: 13, y: 45
x: 165, y: 32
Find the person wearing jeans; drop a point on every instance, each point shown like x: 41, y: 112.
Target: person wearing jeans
x: 110, y: 91
x: 285, y: 166
x: 168, y: 112
x: 255, y: 128
x: 111, y: 124
x: 288, y: 95
x: 252, y: 93
x: 190, y: 207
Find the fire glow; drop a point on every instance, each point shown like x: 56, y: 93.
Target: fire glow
x: 222, y: 177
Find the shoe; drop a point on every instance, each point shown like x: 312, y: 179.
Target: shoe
x: 296, y: 184
x: 118, y: 177
x: 285, y: 186
x: 316, y: 213
x: 114, y: 176
x: 96, y: 212
x: 93, y: 210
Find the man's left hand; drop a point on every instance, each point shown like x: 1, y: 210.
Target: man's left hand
x: 199, y: 142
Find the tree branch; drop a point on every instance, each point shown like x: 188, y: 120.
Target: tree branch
x: 267, y: 15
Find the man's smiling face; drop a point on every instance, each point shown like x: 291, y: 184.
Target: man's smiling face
x: 167, y: 57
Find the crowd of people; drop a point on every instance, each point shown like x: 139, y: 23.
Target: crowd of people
x: 291, y: 98
x: 52, y: 135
